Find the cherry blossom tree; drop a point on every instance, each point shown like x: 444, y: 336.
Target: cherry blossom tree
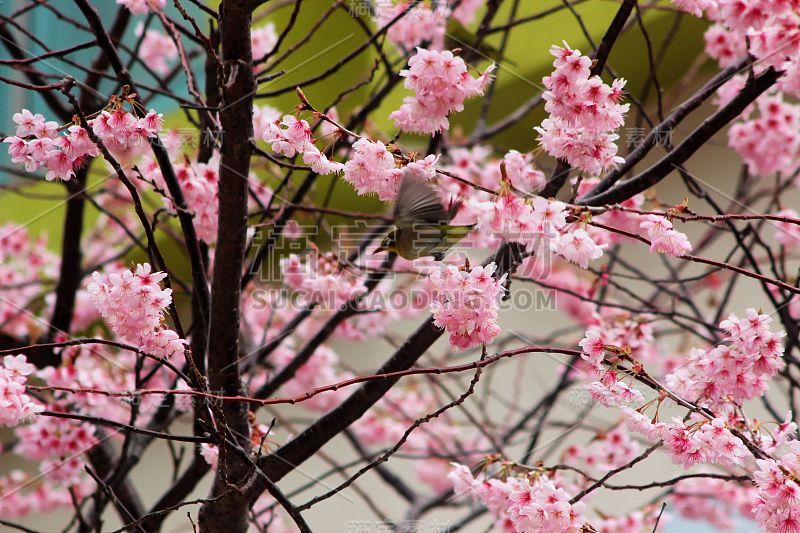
x: 613, y: 323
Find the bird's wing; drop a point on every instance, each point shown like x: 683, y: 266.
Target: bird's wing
x: 418, y: 203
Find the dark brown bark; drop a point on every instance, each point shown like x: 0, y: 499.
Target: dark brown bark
x: 228, y: 510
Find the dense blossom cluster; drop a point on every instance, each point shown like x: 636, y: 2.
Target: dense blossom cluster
x: 466, y: 303
x: 735, y: 371
x: 496, y: 190
x: 584, y: 112
x: 124, y: 134
x: 769, y: 141
x: 371, y: 169
x: 787, y: 233
x: 321, y: 279
x: 540, y: 225
x: 263, y: 40
x: 769, y: 31
x: 715, y: 501
x: 608, y: 450
x: 37, y: 144
x: 692, y: 442
x: 778, y: 487
x: 423, y: 23
x: 200, y: 185
x: 292, y: 136
x: 663, y: 238
x: 15, y: 405
x: 441, y: 84
x: 22, y: 261
x: 521, y: 505
x: 157, y: 50
x: 132, y: 303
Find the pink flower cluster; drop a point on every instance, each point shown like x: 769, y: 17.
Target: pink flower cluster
x: 143, y: 7
x: 292, y: 136
x: 263, y: 40
x: 516, y: 220
x: 715, y: 501
x: 696, y: 441
x: 441, y: 84
x: 321, y: 279
x: 612, y: 392
x: 157, y: 49
x: 23, y: 261
x: 732, y: 372
x: 769, y: 142
x: 584, y: 112
x: 777, y: 508
x: 132, y: 304
x: 787, y: 233
x: 577, y: 246
x: 84, y: 367
x: 466, y: 303
x: 539, y: 224
x: 770, y: 32
x: 520, y: 505
x: 606, y: 451
x: 521, y: 173
x: 125, y: 135
x: 15, y: 405
x: 423, y: 22
x: 200, y: 185
x: 37, y: 144
x: 650, y: 519
x: 371, y: 169
x: 663, y: 238
x: 724, y: 45
x: 617, y: 328
x: 17, y: 502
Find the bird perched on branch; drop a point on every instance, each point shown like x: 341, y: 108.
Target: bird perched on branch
x: 422, y: 224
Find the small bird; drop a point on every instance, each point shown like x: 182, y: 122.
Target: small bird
x: 422, y: 224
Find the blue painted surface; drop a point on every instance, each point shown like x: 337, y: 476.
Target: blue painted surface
x: 47, y: 29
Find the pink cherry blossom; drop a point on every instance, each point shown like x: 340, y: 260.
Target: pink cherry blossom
x: 466, y: 303
x: 584, y: 112
x: 322, y: 280
x: 371, y: 169
x: 770, y: 142
x: 715, y: 501
x: 541, y: 506
x: 724, y: 45
x: 521, y: 172
x: 778, y: 501
x: 787, y: 233
x: 15, y: 405
x: 29, y: 124
x: 593, y: 347
x: 200, y: 185
x: 132, y: 304
x: 738, y: 370
x: 577, y: 246
x: 421, y: 23
x: 663, y: 238
x: 263, y: 40
x: 441, y: 84
x: 157, y: 50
